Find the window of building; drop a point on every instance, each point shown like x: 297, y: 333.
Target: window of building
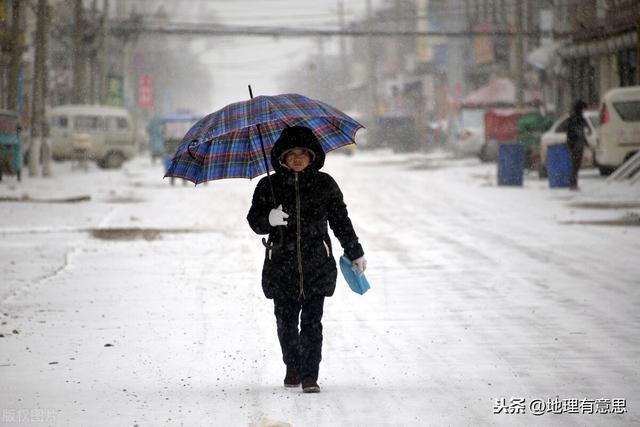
x: 601, y: 9
x: 583, y: 81
x: 627, y: 67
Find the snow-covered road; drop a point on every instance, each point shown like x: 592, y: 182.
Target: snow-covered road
x: 143, y: 305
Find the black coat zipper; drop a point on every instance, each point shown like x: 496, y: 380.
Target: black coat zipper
x: 298, y: 236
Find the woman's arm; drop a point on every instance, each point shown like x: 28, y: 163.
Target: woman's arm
x: 339, y: 221
x: 258, y: 215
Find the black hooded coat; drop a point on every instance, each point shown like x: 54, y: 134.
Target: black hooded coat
x: 576, y: 127
x: 303, y: 265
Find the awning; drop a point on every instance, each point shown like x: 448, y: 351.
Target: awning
x: 606, y: 46
x: 499, y: 93
x: 355, y: 86
x: 542, y: 56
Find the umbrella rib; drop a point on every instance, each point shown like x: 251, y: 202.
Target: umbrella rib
x: 331, y: 123
x: 341, y: 131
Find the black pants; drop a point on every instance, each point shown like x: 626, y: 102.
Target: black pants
x: 302, y: 349
x: 575, y: 152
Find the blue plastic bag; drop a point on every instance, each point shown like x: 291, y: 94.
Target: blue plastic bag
x: 357, y: 282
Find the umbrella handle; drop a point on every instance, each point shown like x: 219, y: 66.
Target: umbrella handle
x: 266, y: 165
x: 274, y: 244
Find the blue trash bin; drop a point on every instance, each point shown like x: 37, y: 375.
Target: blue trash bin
x: 558, y: 165
x: 510, y: 164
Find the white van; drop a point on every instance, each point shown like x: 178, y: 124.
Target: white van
x: 619, y: 131
x: 104, y: 134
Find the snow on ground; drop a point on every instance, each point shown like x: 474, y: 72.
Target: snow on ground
x: 142, y: 305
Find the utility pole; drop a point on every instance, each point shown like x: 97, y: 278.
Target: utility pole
x: 102, y: 53
x: 455, y: 67
x: 17, y: 47
x: 46, y: 147
x: 320, y: 76
x: 39, y: 127
x: 128, y: 98
x: 638, y: 51
x: 519, y: 77
x: 371, y: 79
x: 398, y: 26
x: 120, y: 8
x: 93, y: 54
x: 344, y: 71
x: 78, y: 54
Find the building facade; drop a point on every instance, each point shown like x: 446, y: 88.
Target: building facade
x: 12, y: 45
x: 602, y: 51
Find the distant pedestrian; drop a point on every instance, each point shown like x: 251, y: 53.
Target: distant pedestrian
x: 299, y: 269
x: 576, y: 141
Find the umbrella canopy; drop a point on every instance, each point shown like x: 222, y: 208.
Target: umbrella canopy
x: 229, y: 142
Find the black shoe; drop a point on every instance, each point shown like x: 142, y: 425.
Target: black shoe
x: 309, y: 385
x: 292, y: 379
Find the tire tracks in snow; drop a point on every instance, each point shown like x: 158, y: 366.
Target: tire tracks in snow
x: 11, y: 297
x: 462, y: 235
x: 561, y: 298
x: 396, y: 205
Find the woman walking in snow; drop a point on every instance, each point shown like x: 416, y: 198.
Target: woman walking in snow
x: 299, y: 269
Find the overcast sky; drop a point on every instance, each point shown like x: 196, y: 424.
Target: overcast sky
x: 259, y: 61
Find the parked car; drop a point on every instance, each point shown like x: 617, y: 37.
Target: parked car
x: 104, y: 134
x: 558, y: 135
x: 469, y: 140
x: 619, y: 132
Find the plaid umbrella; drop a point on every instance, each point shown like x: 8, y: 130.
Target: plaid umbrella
x: 234, y: 142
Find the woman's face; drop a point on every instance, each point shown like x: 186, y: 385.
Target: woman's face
x: 297, y: 159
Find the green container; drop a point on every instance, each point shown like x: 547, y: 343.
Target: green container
x: 531, y: 126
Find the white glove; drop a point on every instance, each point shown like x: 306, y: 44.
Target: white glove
x: 359, y: 265
x: 277, y: 217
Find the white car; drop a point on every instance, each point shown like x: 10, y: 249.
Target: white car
x: 619, y: 131
x: 469, y: 139
x: 558, y: 135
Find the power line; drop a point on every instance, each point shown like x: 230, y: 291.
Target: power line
x: 259, y: 61
x: 198, y: 29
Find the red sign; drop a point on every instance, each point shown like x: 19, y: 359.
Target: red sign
x: 145, y: 92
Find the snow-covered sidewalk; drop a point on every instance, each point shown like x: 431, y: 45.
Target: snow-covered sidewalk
x: 140, y: 303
